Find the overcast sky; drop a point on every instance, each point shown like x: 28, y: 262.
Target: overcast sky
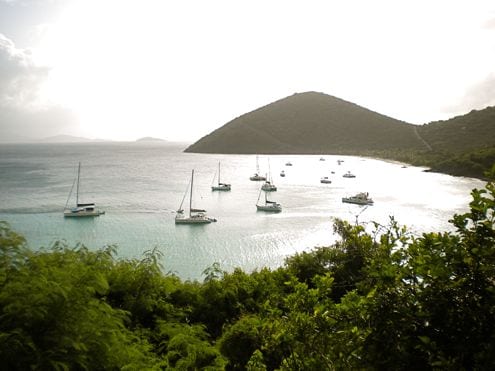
x: 177, y: 70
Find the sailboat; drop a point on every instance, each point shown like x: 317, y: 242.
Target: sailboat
x: 256, y: 176
x: 80, y: 209
x: 271, y: 206
x: 195, y: 216
x: 268, y: 186
x: 220, y: 186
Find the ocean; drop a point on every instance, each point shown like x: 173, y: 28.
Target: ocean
x: 141, y: 185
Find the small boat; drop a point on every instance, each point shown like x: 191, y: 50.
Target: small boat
x: 325, y: 180
x: 288, y: 163
x: 195, y: 216
x: 340, y: 161
x: 256, y: 176
x: 270, y: 206
x: 282, y: 173
x: 220, y: 186
x: 322, y: 159
x: 359, y: 199
x: 80, y: 209
x: 268, y: 186
x: 349, y: 175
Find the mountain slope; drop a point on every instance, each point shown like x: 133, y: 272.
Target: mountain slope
x: 310, y: 123
x: 462, y: 133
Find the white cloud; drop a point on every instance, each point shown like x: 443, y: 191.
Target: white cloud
x: 23, y: 113
x: 20, y: 78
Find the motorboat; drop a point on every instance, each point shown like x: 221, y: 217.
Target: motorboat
x: 282, y: 173
x: 359, y: 199
x: 349, y: 175
x: 325, y: 180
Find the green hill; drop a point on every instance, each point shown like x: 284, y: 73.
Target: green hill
x: 316, y: 123
x: 310, y: 123
x: 463, y: 145
x: 472, y: 131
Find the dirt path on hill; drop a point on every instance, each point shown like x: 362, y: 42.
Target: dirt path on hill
x: 422, y: 139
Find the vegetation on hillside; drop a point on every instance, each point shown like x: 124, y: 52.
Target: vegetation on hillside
x: 385, y: 300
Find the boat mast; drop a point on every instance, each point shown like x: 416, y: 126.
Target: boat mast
x: 269, y: 176
x: 77, y: 189
x: 218, y: 172
x: 190, y: 195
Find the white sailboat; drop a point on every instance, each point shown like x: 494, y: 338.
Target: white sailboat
x: 220, y: 186
x: 256, y: 176
x: 268, y: 186
x: 270, y: 206
x: 80, y: 209
x: 195, y: 216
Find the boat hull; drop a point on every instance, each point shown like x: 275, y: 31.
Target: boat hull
x: 220, y: 188
x: 193, y: 220
x: 80, y: 214
x: 272, y: 209
x: 257, y: 178
x: 357, y: 202
x: 268, y: 188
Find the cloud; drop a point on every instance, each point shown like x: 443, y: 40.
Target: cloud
x: 490, y: 24
x: 23, y: 114
x: 482, y: 94
x: 478, y: 96
x: 20, y: 78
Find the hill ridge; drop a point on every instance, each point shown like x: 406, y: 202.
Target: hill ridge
x: 308, y: 122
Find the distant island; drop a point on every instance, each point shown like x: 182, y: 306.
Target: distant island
x: 150, y: 139
x: 317, y: 123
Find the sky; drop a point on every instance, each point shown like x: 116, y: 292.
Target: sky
x: 177, y: 70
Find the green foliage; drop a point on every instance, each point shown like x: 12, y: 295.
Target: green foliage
x: 186, y: 347
x: 53, y: 315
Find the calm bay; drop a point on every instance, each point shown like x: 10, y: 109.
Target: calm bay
x: 140, y: 186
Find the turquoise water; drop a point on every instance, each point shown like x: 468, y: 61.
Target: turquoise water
x: 140, y: 185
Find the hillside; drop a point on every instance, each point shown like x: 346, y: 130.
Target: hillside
x: 310, y: 123
x: 463, y: 145
x: 462, y: 133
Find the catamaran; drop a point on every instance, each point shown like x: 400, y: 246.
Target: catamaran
x: 220, y: 186
x: 80, y: 209
x: 195, y: 216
